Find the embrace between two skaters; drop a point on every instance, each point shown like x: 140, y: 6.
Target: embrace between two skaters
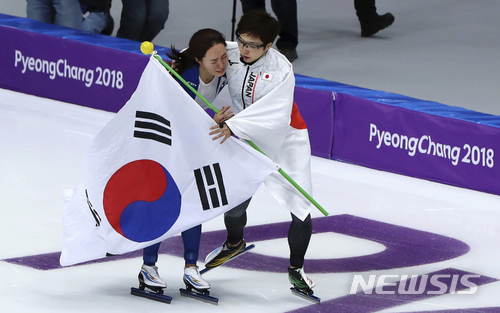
x: 208, y: 64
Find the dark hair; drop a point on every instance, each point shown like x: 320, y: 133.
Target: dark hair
x: 199, y: 44
x: 260, y: 24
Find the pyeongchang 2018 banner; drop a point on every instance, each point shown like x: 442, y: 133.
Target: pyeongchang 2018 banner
x: 153, y: 172
x: 416, y: 144
x: 68, y: 65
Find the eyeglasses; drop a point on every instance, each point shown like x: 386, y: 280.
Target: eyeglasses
x: 247, y: 45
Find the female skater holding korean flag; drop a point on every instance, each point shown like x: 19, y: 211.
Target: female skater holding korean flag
x: 203, y: 65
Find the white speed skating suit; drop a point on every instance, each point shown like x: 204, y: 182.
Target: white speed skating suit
x: 262, y: 99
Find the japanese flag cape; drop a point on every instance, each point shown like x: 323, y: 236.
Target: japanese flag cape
x: 153, y: 172
x: 274, y: 124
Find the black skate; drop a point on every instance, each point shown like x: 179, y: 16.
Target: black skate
x: 302, y: 285
x: 223, y: 254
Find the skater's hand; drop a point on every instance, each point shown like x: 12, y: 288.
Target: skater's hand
x: 220, y: 131
x: 223, y: 115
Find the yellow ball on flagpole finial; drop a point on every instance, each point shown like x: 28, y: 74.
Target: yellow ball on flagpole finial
x: 147, y: 47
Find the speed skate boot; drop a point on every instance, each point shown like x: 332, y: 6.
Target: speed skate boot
x: 302, y: 285
x: 194, y: 280
x: 299, y: 280
x: 196, y: 286
x: 149, y: 278
x: 223, y: 254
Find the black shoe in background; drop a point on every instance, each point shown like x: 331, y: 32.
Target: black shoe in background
x: 372, y: 24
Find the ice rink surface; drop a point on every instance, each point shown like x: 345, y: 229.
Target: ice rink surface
x: 380, y: 223
x: 429, y: 227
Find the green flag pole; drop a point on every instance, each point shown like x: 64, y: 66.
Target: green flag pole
x: 148, y: 48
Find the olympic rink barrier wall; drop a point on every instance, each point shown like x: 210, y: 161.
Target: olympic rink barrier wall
x: 413, y: 137
x: 68, y: 65
x: 371, y: 128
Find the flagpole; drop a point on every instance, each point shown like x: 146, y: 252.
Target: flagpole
x: 148, y: 48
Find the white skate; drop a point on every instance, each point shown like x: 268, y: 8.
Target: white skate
x: 149, y: 277
x: 193, y: 278
x: 151, y: 285
x: 196, y: 286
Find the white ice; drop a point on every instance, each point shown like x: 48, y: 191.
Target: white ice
x: 42, y: 145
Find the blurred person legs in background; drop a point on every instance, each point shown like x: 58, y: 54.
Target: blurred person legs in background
x: 65, y: 13
x: 142, y: 20
x: 286, y: 12
x: 97, y: 16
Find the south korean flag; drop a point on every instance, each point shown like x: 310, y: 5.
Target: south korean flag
x: 153, y: 172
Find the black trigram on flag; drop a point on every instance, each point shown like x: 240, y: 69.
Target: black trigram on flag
x: 210, y: 185
x: 152, y: 126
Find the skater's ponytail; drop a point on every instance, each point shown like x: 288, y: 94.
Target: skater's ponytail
x: 199, y: 44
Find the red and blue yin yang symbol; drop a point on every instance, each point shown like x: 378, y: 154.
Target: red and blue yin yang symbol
x: 142, y: 201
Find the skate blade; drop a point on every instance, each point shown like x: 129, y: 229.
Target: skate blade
x: 247, y: 248
x: 150, y: 295
x: 199, y: 296
x: 308, y: 296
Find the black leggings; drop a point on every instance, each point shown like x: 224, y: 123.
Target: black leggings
x: 299, y: 233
